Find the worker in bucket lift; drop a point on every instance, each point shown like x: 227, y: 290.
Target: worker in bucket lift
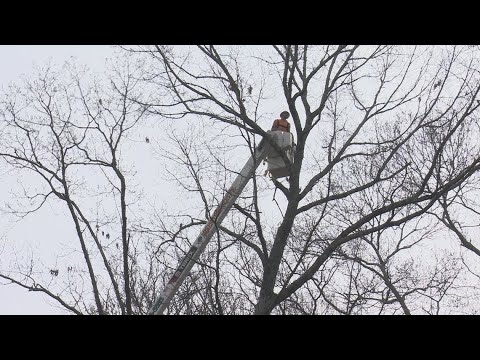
x: 282, y: 124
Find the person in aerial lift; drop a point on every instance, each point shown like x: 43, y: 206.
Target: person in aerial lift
x: 282, y: 124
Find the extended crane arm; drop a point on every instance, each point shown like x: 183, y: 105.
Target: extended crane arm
x: 209, y: 229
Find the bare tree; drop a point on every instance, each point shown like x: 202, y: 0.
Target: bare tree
x: 373, y: 126
x: 60, y: 128
x: 375, y: 167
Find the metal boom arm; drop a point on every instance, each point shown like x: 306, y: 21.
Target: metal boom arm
x: 183, y: 269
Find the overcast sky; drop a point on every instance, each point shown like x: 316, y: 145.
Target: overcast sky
x: 16, y: 60
x: 40, y: 234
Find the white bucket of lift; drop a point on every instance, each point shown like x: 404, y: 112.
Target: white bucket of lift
x: 276, y: 165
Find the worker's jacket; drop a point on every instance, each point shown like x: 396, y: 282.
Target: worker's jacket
x: 281, y: 124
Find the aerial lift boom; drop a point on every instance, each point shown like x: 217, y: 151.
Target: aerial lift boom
x: 277, y: 169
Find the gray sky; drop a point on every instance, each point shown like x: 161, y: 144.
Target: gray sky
x: 42, y: 232
x: 16, y: 60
